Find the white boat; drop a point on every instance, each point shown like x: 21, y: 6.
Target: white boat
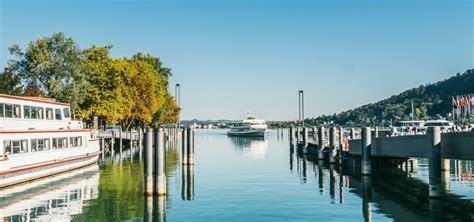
x: 250, y: 127
x: 443, y: 124
x: 38, y: 138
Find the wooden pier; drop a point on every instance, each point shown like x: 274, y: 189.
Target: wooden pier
x: 375, y: 150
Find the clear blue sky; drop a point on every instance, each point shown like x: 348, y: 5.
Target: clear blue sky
x: 234, y: 56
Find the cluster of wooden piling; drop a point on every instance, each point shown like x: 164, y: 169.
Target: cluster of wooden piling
x: 335, y: 150
x: 155, y: 179
x: 300, y: 136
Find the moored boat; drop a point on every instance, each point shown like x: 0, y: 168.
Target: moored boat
x: 39, y: 138
x: 250, y: 127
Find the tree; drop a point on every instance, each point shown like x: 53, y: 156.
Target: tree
x: 162, y: 71
x: 169, y: 112
x: 145, y: 89
x: 10, y: 83
x: 105, y: 97
x: 55, y: 65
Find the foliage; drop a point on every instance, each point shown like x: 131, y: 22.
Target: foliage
x: 10, y: 83
x: 54, y: 66
x: 430, y: 101
x: 145, y: 91
x: 105, y: 97
x: 169, y: 112
x: 123, y: 91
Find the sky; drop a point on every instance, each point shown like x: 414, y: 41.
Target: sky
x: 237, y: 56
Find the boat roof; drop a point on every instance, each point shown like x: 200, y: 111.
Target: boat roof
x: 412, y: 121
x: 438, y: 121
x: 34, y: 99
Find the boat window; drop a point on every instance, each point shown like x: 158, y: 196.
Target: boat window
x: 49, y: 113
x: 15, y: 146
x: 75, y: 141
x: 26, y: 112
x: 1, y: 110
x: 59, y: 143
x: 8, y: 110
x: 32, y: 112
x: 57, y: 113
x: 39, y: 145
x: 16, y: 111
x: 66, y: 113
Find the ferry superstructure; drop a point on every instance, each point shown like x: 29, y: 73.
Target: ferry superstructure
x: 250, y: 127
x: 38, y: 138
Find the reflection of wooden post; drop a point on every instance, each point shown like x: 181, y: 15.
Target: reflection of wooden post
x: 160, y: 177
x: 148, y: 216
x: 292, y: 134
x: 367, y: 197
x: 149, y: 162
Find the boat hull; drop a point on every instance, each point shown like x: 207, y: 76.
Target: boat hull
x: 249, y: 133
x: 37, y: 171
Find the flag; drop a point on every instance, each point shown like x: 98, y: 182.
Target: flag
x: 471, y: 103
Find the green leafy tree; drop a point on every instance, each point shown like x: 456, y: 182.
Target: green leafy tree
x: 169, y: 112
x: 10, y: 83
x: 105, y: 95
x: 55, y: 65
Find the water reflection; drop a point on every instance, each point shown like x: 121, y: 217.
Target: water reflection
x: 397, y: 194
x: 53, y: 198
x: 253, y: 148
x: 187, y: 182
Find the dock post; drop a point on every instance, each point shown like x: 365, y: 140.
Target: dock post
x: 297, y: 135
x: 190, y: 146
x: 353, y: 133
x: 315, y: 132
x: 445, y: 164
x: 305, y: 139
x: 341, y: 143
x: 149, y: 162
x: 376, y: 132
x: 435, y: 163
x: 112, y: 143
x: 292, y: 134
x: 321, y: 142
x: 332, y: 145
x: 120, y: 141
x: 160, y: 177
x: 366, y: 151
x: 184, y: 147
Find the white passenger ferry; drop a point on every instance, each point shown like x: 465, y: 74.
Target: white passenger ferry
x: 38, y: 138
x: 251, y: 127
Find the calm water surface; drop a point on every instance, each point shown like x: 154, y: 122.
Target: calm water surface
x: 237, y: 179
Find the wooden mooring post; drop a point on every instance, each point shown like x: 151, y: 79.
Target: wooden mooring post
x: 184, y: 147
x: 321, y: 142
x: 332, y: 145
x: 148, y: 162
x: 366, y: 166
x: 435, y: 163
x: 190, y: 150
x: 160, y: 177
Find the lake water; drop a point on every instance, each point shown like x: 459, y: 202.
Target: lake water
x: 237, y: 179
